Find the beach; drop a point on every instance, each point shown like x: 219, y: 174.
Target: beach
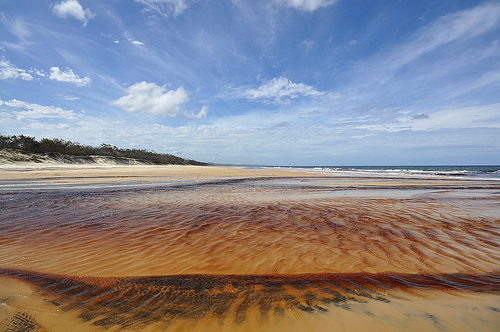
x: 27, y: 176
x: 214, y: 248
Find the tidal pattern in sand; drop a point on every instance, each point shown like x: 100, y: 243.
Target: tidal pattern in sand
x: 261, y: 254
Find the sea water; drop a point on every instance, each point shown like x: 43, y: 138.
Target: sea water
x: 487, y: 172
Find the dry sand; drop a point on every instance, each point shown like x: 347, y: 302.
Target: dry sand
x: 23, y: 176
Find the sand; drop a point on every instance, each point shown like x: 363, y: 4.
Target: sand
x: 131, y: 173
x: 25, y: 175
x: 212, y: 248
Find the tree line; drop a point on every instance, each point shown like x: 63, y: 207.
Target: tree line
x: 56, y: 146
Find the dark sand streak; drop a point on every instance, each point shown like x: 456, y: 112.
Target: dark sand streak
x: 135, y: 302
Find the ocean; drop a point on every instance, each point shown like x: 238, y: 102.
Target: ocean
x: 464, y: 172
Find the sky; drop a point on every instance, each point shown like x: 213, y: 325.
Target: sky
x: 275, y: 82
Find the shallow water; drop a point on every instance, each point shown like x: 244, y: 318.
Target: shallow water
x: 276, y: 254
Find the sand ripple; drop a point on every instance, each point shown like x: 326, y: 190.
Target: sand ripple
x: 246, y: 229
x: 262, y: 245
x: 131, y: 303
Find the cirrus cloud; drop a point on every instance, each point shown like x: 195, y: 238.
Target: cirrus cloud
x: 165, y: 7
x: 144, y: 97
x: 307, y: 5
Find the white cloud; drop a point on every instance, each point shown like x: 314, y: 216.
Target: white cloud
x: 21, y: 28
x: 34, y: 111
x: 280, y: 90
x: 307, y: 44
x: 71, y: 98
x: 165, y: 8
x: 457, y: 27
x: 485, y: 116
x: 144, y: 97
x: 39, y: 72
x: 68, y: 76
x: 201, y: 114
x: 265, y: 139
x: 8, y: 70
x: 72, y: 8
x: 446, y: 61
x: 17, y: 26
x: 307, y: 5
x: 131, y: 40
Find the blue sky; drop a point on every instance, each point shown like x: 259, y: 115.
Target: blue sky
x: 276, y: 82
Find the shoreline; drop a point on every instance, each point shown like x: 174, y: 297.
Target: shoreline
x: 51, y: 177
x: 103, y: 173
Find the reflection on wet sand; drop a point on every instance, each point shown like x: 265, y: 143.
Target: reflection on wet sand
x: 289, y: 254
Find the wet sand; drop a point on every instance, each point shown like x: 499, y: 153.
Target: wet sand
x: 217, y: 248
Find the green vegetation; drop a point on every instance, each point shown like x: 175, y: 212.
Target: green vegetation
x: 58, y: 147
